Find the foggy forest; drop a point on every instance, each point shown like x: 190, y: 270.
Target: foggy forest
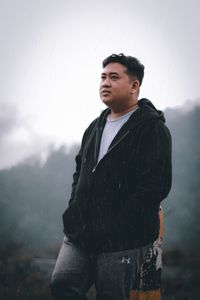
x: 34, y: 196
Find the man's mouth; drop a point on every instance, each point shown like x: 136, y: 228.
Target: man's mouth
x: 105, y: 92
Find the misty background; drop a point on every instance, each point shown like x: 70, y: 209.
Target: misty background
x: 34, y: 194
x: 50, y: 64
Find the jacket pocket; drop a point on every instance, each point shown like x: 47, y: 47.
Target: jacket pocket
x: 74, y: 221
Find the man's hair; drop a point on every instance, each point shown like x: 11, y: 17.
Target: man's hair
x: 133, y: 65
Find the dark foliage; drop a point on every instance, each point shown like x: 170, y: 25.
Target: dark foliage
x: 19, y: 278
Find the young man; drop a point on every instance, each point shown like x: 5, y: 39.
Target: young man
x: 123, y: 172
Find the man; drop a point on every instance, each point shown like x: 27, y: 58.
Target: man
x: 123, y: 172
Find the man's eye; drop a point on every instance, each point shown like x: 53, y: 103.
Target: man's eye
x: 114, y: 77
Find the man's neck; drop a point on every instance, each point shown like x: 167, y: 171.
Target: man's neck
x: 116, y: 114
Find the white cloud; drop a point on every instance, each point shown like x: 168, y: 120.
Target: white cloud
x: 17, y: 139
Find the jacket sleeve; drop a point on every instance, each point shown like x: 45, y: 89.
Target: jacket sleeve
x: 154, y: 168
x: 78, y: 161
x: 79, y: 157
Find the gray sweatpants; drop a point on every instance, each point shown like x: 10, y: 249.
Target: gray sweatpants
x: 113, y: 273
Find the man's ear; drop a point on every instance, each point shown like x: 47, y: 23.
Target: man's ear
x: 135, y: 86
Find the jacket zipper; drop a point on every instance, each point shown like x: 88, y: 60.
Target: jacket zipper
x: 110, y: 149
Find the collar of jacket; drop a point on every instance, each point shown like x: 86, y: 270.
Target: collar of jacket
x: 145, y: 113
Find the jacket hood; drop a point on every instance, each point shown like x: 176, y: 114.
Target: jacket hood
x: 154, y: 113
x: 146, y: 113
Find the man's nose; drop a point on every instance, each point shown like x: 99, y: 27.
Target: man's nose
x: 106, y: 82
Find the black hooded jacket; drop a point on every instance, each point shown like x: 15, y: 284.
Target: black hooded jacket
x: 114, y: 204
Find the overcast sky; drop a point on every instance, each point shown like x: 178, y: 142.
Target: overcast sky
x: 50, y: 63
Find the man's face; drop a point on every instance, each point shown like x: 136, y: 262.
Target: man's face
x: 116, y: 87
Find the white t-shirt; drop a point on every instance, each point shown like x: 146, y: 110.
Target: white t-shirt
x: 110, y: 130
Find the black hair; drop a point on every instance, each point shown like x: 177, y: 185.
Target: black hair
x: 133, y: 65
